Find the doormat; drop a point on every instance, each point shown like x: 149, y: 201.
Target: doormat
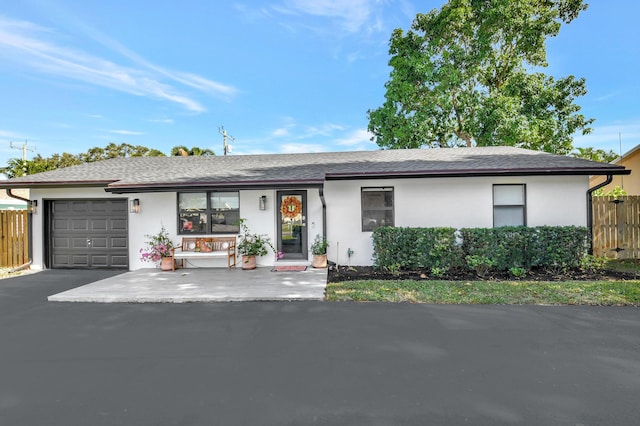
x: 289, y: 269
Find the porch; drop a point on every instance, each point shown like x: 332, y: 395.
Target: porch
x: 201, y: 285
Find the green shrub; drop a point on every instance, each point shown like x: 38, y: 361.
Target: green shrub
x: 593, y: 264
x: 517, y: 272
x: 481, y: 264
x: 513, y: 249
x: 415, y: 248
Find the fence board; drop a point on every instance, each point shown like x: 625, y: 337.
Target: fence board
x: 616, y: 227
x: 14, y: 238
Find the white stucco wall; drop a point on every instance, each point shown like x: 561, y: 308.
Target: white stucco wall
x: 440, y: 202
x: 160, y: 208
x: 456, y: 202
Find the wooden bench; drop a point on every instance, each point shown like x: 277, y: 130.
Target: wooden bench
x: 205, y: 248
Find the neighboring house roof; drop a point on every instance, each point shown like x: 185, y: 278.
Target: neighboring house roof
x: 140, y: 174
x: 627, y: 154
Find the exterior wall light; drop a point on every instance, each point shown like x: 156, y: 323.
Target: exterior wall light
x: 32, y: 206
x: 135, y: 205
x: 262, y: 202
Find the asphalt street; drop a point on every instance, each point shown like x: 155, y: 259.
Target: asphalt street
x: 310, y: 363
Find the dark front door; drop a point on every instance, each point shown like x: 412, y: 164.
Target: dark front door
x: 87, y: 233
x: 292, y: 224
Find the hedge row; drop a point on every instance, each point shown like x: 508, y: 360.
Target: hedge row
x: 550, y: 247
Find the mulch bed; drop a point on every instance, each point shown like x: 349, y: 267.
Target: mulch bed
x: 346, y: 273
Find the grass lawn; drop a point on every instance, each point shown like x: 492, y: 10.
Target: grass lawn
x: 489, y: 292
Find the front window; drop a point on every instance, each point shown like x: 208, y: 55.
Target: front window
x: 377, y: 208
x: 509, y: 202
x: 208, y: 212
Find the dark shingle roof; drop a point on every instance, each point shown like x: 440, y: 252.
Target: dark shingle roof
x: 158, y: 173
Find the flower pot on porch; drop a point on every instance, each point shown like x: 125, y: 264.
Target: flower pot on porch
x: 248, y: 262
x: 166, y: 264
x: 319, y: 261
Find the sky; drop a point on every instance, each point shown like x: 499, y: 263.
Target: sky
x: 279, y: 76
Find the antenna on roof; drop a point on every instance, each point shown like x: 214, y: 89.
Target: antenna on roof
x: 225, y: 147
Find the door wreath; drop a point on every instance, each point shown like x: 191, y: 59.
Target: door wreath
x: 291, y: 207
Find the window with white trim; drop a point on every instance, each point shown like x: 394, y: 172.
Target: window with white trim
x: 212, y: 212
x: 377, y: 208
x: 509, y: 205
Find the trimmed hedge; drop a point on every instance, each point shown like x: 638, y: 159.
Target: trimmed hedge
x: 415, y: 248
x: 551, y: 247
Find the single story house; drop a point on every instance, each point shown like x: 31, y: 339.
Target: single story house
x: 96, y: 215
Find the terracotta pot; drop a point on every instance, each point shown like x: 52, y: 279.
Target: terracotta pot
x: 166, y: 264
x: 319, y: 260
x: 248, y: 262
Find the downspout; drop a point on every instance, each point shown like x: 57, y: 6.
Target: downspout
x: 324, y: 212
x: 590, y: 192
x: 29, y: 221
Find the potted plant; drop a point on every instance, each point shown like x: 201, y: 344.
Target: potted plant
x: 252, y: 245
x: 159, y: 249
x: 319, y: 250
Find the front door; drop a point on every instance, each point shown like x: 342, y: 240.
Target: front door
x: 292, y: 224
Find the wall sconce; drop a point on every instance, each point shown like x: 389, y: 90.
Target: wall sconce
x: 135, y: 205
x: 262, y: 202
x: 32, y: 206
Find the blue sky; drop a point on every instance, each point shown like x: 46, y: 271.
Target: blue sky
x: 280, y: 76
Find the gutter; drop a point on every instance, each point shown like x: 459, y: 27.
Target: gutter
x: 590, y: 192
x: 29, y: 224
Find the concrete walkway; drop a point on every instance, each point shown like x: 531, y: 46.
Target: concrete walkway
x: 201, y: 285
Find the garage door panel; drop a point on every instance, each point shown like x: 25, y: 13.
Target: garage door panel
x: 79, y: 207
x: 100, y: 261
x: 80, y: 224
x: 119, y: 261
x: 99, y: 243
x: 99, y: 224
x: 79, y: 243
x: 117, y: 242
x: 118, y: 225
x: 89, y: 234
x: 80, y: 260
x: 61, y: 243
x: 61, y: 224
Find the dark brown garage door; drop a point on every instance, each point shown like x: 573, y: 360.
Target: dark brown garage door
x: 88, y: 234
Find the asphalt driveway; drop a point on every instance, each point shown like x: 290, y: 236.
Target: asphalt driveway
x: 310, y: 363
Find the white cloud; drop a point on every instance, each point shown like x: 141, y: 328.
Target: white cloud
x: 340, y: 17
x: 277, y: 133
x: 357, y: 137
x: 30, y: 45
x: 126, y: 132
x: 163, y: 120
x: 352, y: 15
x: 610, y: 135
x: 300, y: 148
x: 9, y: 134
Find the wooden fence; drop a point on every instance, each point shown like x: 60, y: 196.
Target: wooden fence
x: 616, y: 227
x: 14, y: 238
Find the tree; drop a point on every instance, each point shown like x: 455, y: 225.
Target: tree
x: 17, y: 167
x: 595, y: 154
x: 461, y: 76
x: 182, y: 150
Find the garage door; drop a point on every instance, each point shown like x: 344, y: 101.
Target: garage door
x: 88, y: 234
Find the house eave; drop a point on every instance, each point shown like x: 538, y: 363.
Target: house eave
x: 476, y: 173
x: 199, y: 186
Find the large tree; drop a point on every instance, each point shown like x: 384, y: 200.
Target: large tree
x: 182, y: 150
x: 464, y: 75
